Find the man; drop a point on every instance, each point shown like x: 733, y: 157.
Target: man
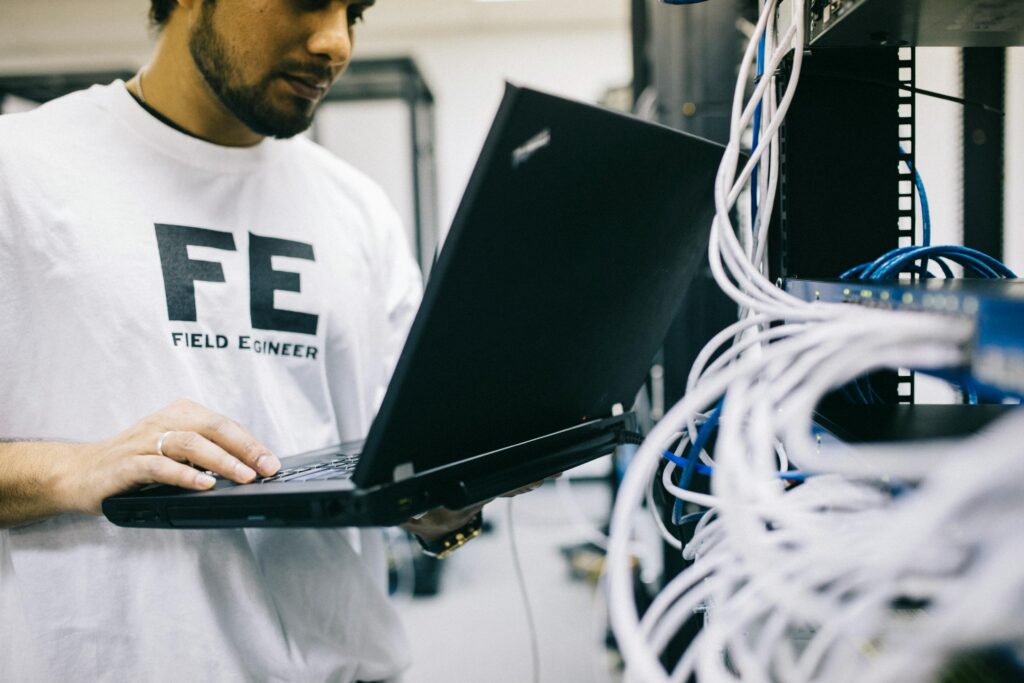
x: 170, y: 256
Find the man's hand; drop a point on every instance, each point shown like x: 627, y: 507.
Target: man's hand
x: 441, y: 522
x: 40, y: 479
x: 162, y: 449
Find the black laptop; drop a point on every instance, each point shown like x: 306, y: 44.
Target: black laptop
x: 576, y: 239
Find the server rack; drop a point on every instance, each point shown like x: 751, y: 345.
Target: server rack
x: 846, y: 192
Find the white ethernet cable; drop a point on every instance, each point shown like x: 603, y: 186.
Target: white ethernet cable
x: 832, y: 557
x: 802, y: 584
x: 835, y: 554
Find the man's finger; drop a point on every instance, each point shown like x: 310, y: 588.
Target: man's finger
x: 234, y: 439
x: 190, y: 447
x: 153, y: 469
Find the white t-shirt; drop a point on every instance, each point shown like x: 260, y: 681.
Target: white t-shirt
x: 272, y: 284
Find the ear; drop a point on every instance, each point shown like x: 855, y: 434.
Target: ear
x: 191, y: 9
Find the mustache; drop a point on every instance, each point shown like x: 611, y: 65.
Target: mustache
x: 314, y: 72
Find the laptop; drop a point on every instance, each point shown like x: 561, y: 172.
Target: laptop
x: 574, y: 244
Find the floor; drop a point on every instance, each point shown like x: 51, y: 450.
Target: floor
x: 475, y: 630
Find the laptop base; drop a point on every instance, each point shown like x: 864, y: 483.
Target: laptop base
x: 329, y: 503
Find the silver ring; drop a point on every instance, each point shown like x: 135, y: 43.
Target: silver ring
x: 160, y: 444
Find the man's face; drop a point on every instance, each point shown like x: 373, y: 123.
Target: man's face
x: 270, y: 62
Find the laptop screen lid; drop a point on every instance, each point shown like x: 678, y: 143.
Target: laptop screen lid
x: 577, y: 237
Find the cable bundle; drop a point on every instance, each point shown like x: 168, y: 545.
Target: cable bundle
x: 887, y: 559
x: 915, y: 259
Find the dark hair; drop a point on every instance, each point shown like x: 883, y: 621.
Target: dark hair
x: 160, y: 12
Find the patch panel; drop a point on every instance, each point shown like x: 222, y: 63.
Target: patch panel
x: 995, y: 306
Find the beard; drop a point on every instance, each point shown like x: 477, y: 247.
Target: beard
x: 249, y: 103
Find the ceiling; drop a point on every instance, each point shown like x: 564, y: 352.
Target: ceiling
x: 441, y: 16
x: 38, y: 35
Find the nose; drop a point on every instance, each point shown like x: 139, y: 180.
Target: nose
x: 331, y: 37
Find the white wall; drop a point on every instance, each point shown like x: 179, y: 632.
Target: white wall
x: 466, y: 73
x: 374, y: 136
x: 48, y: 35
x: 938, y: 140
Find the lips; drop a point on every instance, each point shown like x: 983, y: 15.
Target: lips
x: 306, y: 87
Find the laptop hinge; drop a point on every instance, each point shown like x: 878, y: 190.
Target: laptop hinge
x: 403, y: 471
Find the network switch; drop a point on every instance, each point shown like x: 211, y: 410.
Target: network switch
x: 995, y: 306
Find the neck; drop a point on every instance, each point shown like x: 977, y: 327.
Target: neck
x: 174, y: 87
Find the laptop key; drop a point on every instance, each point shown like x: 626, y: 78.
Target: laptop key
x: 340, y: 468
x: 325, y: 474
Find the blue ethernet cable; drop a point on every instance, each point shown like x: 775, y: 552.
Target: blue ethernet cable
x: 915, y: 259
x: 703, y: 435
x: 689, y: 465
x: 884, y: 267
x: 979, y: 267
x: 790, y: 475
x: 891, y: 263
x: 701, y: 468
x: 926, y: 214
x: 674, y: 459
x: 757, y: 135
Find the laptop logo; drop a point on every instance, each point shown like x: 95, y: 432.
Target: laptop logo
x: 522, y: 154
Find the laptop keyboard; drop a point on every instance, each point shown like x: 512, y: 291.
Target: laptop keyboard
x: 340, y: 467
